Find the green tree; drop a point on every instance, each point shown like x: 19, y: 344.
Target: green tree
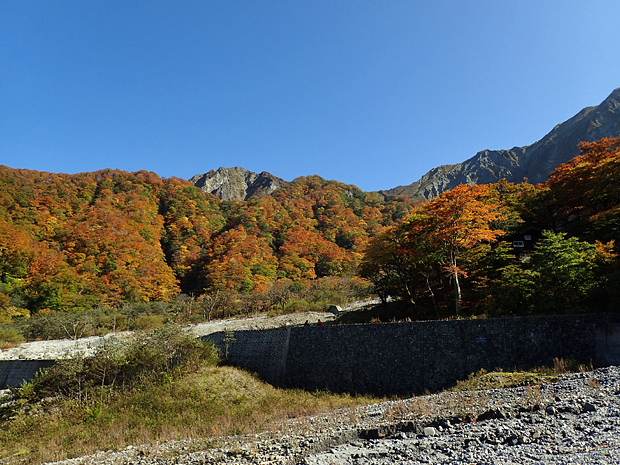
x: 564, y: 274
x: 569, y: 270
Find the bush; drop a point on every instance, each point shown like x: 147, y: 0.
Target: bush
x: 297, y: 306
x: 10, y: 337
x: 147, y: 322
x: 145, y: 359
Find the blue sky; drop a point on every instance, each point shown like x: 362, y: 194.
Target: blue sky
x: 366, y: 92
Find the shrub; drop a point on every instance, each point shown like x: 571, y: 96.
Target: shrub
x: 147, y: 322
x: 10, y: 337
x: 144, y: 359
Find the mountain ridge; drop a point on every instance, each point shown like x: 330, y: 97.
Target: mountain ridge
x: 532, y: 162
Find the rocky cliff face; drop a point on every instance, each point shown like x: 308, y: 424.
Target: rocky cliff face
x: 533, y: 162
x: 237, y: 183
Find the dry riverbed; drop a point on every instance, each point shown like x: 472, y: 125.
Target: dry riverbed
x: 574, y: 420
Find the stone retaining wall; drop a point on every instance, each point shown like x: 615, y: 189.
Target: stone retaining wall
x: 14, y: 372
x: 400, y: 357
x: 417, y: 356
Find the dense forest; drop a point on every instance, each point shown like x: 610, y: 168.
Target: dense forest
x: 105, y: 239
x: 74, y: 243
x: 503, y: 248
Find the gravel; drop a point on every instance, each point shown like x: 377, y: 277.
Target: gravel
x: 67, y: 348
x: 575, y: 420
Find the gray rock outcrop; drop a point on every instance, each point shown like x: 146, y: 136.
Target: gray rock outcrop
x: 237, y: 183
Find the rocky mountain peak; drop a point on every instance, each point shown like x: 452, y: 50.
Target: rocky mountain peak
x: 533, y: 162
x: 237, y: 183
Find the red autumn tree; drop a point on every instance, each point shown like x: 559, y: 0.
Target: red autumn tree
x: 587, y: 189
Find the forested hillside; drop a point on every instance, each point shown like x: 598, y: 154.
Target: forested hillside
x: 506, y: 248
x: 74, y: 242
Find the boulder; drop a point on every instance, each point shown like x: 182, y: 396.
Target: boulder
x: 335, y: 309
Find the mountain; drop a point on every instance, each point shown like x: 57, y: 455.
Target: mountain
x: 533, y: 162
x: 237, y: 183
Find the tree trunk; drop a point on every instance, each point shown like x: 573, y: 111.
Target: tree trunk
x: 457, y: 293
x: 457, y: 287
x: 430, y: 290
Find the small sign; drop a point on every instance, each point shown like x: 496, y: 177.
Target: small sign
x: 481, y: 339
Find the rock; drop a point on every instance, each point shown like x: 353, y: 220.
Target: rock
x: 445, y: 423
x: 237, y: 183
x: 335, y: 309
x: 471, y: 442
x: 374, y: 433
x: 588, y: 407
x: 430, y: 431
x: 493, y: 414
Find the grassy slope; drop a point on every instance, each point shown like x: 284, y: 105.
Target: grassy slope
x: 208, y: 403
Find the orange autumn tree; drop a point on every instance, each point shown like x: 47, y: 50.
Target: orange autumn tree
x: 587, y: 190
x: 444, y: 233
x: 16, y: 253
x: 114, y: 243
x: 307, y: 255
x: 239, y: 261
x: 461, y: 219
x: 51, y: 283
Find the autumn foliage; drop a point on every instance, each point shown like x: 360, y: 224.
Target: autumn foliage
x: 587, y: 190
x: 109, y: 237
x: 456, y: 251
x: 104, y: 239
x: 441, y: 237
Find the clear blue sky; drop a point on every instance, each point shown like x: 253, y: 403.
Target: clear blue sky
x: 367, y: 92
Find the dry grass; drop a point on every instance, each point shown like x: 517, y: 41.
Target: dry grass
x: 211, y: 402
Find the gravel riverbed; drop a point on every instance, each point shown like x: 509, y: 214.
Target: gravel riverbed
x: 67, y: 348
x: 575, y: 420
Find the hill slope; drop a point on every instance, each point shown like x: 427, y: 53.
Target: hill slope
x: 108, y: 237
